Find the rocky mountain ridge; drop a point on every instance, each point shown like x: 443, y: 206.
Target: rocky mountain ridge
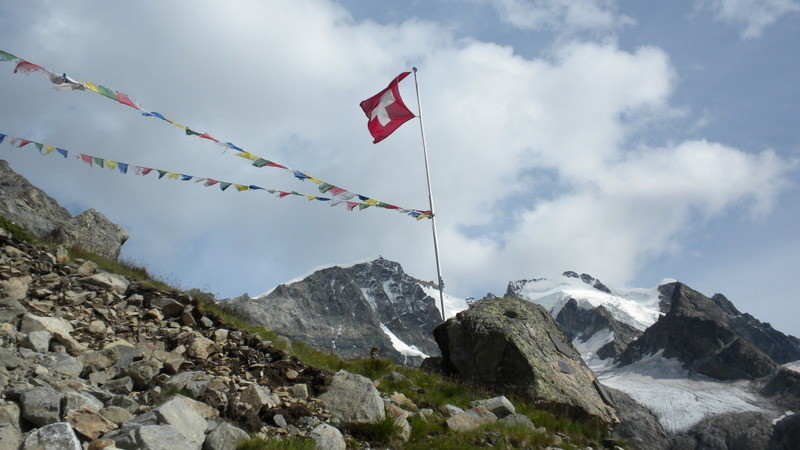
x: 34, y: 210
x: 351, y: 309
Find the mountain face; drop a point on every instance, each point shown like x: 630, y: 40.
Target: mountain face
x: 778, y: 346
x: 697, y: 332
x: 599, y: 321
x: 350, y: 310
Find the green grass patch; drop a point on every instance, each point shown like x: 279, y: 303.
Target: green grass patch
x: 382, y: 433
x: 17, y: 231
x: 284, y: 443
x: 435, y: 434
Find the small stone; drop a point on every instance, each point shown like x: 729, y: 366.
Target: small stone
x: 86, y: 269
x: 90, y: 424
x: 38, y: 341
x: 170, y: 307
x: 292, y: 374
x: 401, y: 400
x: 224, y: 437
x: 279, y: 420
x: 518, y: 420
x: 499, y: 406
x: 62, y: 255
x: 257, y: 397
x: 221, y: 335
x: 41, y: 406
x: 327, y: 437
x: 116, y: 414
x: 56, y: 436
x: 452, y: 410
x: 110, y: 281
x: 97, y: 327
x: 122, y: 386
x: 206, y: 322
x: 172, y: 361
x: 99, y: 444
x: 201, y: 348
x: 470, y: 419
x: 300, y: 391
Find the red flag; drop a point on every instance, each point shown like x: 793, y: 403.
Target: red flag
x: 27, y: 67
x: 386, y: 111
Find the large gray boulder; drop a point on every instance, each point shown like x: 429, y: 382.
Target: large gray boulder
x: 352, y: 399
x: 93, y: 232
x: 509, y: 344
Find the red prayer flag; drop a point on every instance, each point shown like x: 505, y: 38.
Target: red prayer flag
x: 27, y: 67
x: 122, y: 98
x: 386, y: 111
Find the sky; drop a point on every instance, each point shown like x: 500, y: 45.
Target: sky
x: 634, y: 141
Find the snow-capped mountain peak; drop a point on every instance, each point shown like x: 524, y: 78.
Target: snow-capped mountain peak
x: 638, y: 308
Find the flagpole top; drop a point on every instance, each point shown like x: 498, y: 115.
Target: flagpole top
x: 414, y: 69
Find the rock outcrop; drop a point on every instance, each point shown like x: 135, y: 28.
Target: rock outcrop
x: 350, y: 310
x: 581, y: 324
x: 90, y: 357
x: 514, y: 345
x: 740, y: 430
x: 32, y: 209
x: 696, y: 332
x: 638, y: 425
x: 93, y: 232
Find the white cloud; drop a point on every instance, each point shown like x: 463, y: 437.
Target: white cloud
x: 284, y: 79
x: 563, y: 15
x: 753, y: 16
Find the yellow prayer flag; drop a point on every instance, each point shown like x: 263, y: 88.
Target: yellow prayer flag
x: 310, y: 197
x: 173, y: 175
x: 111, y: 164
x: 241, y: 187
x: 315, y: 180
x: 247, y: 155
x: 48, y: 149
x: 91, y: 86
x: 372, y: 201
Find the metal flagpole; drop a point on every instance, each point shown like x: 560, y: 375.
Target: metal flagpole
x: 430, y: 198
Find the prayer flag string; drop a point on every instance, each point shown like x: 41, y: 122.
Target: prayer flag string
x: 124, y: 168
x: 337, y: 194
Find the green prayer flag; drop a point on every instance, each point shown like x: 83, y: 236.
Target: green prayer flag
x: 107, y: 92
x: 161, y: 173
x: 191, y: 132
x: 363, y: 206
x: 260, y: 162
x: 223, y: 185
x: 325, y: 187
x: 98, y: 161
x: 39, y: 146
x: 5, y: 56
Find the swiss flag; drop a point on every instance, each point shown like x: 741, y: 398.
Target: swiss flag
x: 386, y: 111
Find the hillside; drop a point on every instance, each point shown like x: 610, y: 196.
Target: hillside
x: 95, y: 351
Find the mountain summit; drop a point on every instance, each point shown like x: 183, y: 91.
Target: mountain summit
x: 351, y: 309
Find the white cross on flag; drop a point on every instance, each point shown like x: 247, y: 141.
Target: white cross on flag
x: 386, y: 111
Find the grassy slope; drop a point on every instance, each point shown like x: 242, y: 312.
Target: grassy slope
x: 425, y: 389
